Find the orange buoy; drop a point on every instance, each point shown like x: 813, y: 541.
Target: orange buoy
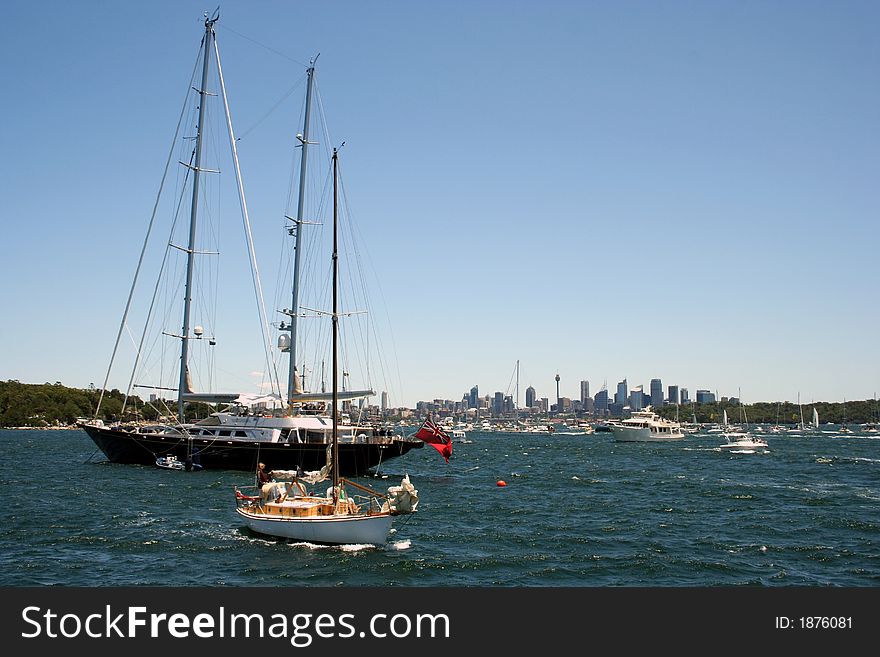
x: 501, y: 482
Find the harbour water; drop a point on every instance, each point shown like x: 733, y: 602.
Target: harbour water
x: 577, y: 510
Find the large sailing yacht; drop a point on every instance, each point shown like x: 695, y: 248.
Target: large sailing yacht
x: 287, y: 431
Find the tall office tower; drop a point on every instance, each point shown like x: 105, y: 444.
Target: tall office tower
x: 656, y: 393
x: 637, y: 399
x: 672, y: 397
x: 705, y: 397
x: 498, y: 403
x: 622, y: 395
x: 474, y: 402
x: 601, y: 402
x: 684, y: 396
x: 530, y: 397
x: 384, y: 401
x: 585, y: 391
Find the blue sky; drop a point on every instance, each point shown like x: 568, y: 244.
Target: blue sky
x: 607, y: 190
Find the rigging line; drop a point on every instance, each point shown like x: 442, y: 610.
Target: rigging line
x: 352, y: 233
x: 91, y: 455
x: 354, y: 229
x: 168, y: 250
x: 274, y: 107
x: 510, y: 382
x: 255, y: 274
x: 263, y: 45
x: 146, y: 239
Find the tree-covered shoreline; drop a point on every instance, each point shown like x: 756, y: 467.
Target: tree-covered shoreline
x: 55, y: 405
x: 852, y: 412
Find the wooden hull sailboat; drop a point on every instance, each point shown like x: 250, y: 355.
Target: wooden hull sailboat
x: 325, y: 520
x: 281, y: 521
x: 287, y: 511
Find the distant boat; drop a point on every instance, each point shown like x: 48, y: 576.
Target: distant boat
x: 843, y: 427
x: 871, y: 427
x: 803, y: 425
x: 777, y: 428
x: 742, y: 440
x: 173, y: 463
x: 815, y: 418
x: 724, y: 426
x: 646, y: 426
x: 458, y: 435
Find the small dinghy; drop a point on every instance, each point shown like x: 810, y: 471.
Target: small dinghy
x: 174, y: 463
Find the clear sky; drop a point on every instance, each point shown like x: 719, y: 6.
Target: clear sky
x: 679, y: 190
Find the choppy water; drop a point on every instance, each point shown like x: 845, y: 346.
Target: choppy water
x: 578, y: 510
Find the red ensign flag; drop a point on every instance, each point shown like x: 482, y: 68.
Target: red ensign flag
x: 436, y: 438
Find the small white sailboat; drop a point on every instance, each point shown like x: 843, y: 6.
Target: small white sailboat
x: 724, y: 426
x: 815, y: 421
x: 843, y: 427
x: 337, y: 517
x: 802, y: 426
x: 871, y: 427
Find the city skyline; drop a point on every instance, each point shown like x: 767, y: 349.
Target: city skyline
x: 617, y: 188
x: 669, y: 392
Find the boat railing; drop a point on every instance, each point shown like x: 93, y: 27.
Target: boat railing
x: 246, y: 496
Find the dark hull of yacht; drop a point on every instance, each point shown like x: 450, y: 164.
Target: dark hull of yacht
x: 355, y: 459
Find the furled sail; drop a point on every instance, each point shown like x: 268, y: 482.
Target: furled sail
x: 311, y: 476
x: 403, y: 498
x: 343, y: 395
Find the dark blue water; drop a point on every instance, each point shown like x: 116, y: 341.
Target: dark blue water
x: 578, y: 510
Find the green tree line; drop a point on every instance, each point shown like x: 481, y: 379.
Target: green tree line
x: 852, y: 412
x: 52, y: 404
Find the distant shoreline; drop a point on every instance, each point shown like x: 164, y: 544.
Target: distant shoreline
x: 52, y: 428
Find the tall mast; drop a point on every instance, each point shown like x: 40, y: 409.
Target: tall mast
x: 294, y: 308
x: 183, y: 386
x: 335, y: 322
x: 516, y: 401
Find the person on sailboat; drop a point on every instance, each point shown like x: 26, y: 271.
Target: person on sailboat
x: 263, y: 477
x: 266, y: 484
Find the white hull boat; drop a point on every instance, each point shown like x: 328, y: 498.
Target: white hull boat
x: 646, y: 427
x: 743, y: 441
x: 280, y: 519
x: 338, y: 518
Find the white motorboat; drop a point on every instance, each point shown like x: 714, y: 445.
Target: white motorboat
x: 740, y: 440
x: 646, y: 426
x: 174, y: 463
